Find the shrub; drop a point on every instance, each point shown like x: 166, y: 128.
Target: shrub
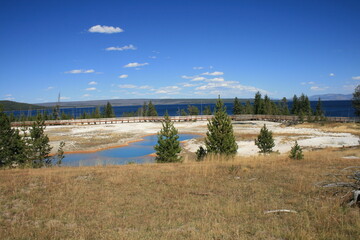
x: 296, y: 152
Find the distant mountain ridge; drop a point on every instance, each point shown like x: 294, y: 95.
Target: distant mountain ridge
x: 11, y: 106
x: 331, y: 97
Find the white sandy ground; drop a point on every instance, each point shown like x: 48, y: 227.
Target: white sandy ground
x: 307, y: 138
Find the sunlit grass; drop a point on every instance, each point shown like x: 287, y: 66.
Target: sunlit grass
x: 214, y: 199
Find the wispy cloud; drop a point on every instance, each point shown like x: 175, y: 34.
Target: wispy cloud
x: 126, y: 47
x: 198, y: 68
x: 49, y: 88
x: 105, y: 29
x: 219, y: 79
x: 127, y: 86
x: 152, y: 57
x: 90, y: 89
x: 317, y: 88
x: 198, y: 79
x: 169, y: 90
x: 213, y: 73
x: 77, y: 71
x: 135, y: 64
x: 332, y: 74
x: 65, y: 98
x: 92, y: 83
x: 308, y: 83
x: 9, y: 97
x: 123, y: 76
x: 356, y: 78
x: 86, y: 95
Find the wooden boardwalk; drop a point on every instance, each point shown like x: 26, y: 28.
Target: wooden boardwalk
x: 247, y: 117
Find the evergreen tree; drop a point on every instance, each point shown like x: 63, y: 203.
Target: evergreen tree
x: 237, y: 109
x: 183, y: 112
x: 109, y: 111
x: 96, y: 113
x: 295, y: 105
x: 265, y: 141
x: 356, y: 100
x: 296, y: 152
x: 258, y: 104
x: 144, y: 110
x: 151, y: 110
x: 207, y: 110
x: 284, y: 107
x: 200, y: 154
x: 193, y: 110
x: 248, y: 108
x: 12, y: 147
x: 267, y: 106
x: 319, y: 112
x: 220, y: 137
x: 168, y: 145
x: 38, y: 147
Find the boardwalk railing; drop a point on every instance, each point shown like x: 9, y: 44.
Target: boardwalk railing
x: 247, y: 117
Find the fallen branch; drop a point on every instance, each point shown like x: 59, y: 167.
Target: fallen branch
x: 280, y: 211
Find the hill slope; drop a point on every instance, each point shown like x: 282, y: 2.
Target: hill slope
x: 13, y: 106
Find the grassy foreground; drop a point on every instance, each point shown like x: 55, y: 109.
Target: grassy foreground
x: 208, y: 200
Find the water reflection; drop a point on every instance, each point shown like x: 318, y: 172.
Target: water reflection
x: 134, y: 153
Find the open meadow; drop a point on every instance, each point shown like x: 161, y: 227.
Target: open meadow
x: 207, y: 200
x: 214, y: 199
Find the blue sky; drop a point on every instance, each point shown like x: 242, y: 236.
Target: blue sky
x: 89, y: 50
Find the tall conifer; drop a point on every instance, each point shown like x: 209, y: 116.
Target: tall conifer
x: 168, y: 145
x: 220, y: 137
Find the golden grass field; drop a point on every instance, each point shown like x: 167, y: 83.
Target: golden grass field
x: 206, y: 200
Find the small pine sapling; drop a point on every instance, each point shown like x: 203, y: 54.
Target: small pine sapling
x: 296, y: 152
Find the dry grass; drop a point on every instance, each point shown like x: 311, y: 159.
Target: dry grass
x: 353, y: 128
x: 208, y: 200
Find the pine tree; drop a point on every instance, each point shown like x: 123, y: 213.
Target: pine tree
x: 220, y: 137
x: 267, y: 106
x: 38, y: 147
x: 151, y: 110
x: 258, y: 104
x: 296, y: 152
x: 12, y: 147
x: 265, y: 141
x: 356, y: 100
x: 144, y: 110
x: 284, y: 107
x: 193, y: 110
x: 295, y: 106
x: 168, y: 145
x: 207, y: 110
x: 319, y: 112
x: 109, y: 111
x: 248, y: 108
x: 237, y: 109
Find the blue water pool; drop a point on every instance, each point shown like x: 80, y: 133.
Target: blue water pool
x: 137, y: 152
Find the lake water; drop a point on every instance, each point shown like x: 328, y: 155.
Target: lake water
x: 330, y: 108
x: 137, y: 152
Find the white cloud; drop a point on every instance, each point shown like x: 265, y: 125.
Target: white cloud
x: 311, y: 83
x: 152, y: 57
x: 90, y: 89
x: 92, y: 83
x: 127, y: 86
x: 356, y: 78
x: 77, y: 71
x: 332, y: 74
x: 123, y: 76
x: 187, y: 77
x: 198, y: 79
x: 229, y: 87
x: 189, y: 85
x: 135, y: 64
x: 317, y: 88
x: 170, y: 90
x: 198, y: 68
x: 49, y: 88
x: 105, y: 29
x: 9, y: 98
x: 213, y: 73
x: 86, y: 95
x: 128, y: 47
x: 8, y: 95
x: 65, y: 98
x: 144, y: 87
x: 219, y: 79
